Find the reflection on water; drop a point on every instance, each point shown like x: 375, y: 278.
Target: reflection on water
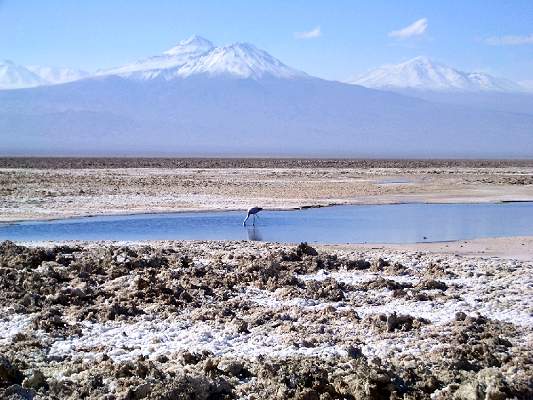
x: 253, y: 233
x: 397, y: 223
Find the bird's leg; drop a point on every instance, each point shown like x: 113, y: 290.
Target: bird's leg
x: 246, y: 219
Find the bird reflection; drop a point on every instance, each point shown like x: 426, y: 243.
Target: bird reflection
x: 253, y: 233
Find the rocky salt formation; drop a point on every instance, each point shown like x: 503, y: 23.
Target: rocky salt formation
x: 223, y: 320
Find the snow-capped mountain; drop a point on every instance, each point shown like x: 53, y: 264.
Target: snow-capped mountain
x: 198, y: 56
x: 241, y: 60
x: 191, y: 57
x: 195, y: 45
x: 198, y: 99
x: 179, y: 55
x: 55, y: 75
x: 13, y: 76
x: 421, y: 73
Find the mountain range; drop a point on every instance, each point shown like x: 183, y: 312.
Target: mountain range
x: 424, y: 74
x: 426, y: 79
x: 199, y: 99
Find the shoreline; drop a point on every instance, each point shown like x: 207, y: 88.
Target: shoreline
x: 518, y: 248
x: 4, y: 221
x: 503, y: 247
x: 48, y: 194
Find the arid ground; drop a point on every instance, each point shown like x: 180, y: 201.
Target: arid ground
x: 246, y: 320
x: 57, y: 188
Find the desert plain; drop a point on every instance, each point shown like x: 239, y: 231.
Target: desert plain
x: 249, y: 320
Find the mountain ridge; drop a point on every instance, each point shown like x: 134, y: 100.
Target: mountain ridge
x: 422, y: 73
x: 197, y: 99
x: 220, y: 115
x: 198, y: 55
x: 13, y: 76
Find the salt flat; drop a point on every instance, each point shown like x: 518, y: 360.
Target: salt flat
x: 237, y: 319
x: 56, y: 188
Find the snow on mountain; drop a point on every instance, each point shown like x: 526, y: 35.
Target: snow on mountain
x: 424, y: 74
x: 490, y: 83
x: 227, y: 108
x: 190, y: 57
x: 184, y: 52
x: 55, y: 75
x: 194, y: 45
x: 242, y: 60
x: 207, y: 115
x: 198, y: 56
x: 13, y: 76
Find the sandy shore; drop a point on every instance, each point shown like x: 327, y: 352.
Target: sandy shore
x: 512, y: 248
x: 95, y: 189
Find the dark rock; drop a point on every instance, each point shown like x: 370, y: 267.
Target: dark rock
x: 357, y: 264
x: 304, y: 249
x: 190, y: 358
x: 382, y: 283
x: 162, y: 358
x: 403, y: 322
x: 9, y: 374
x: 431, y: 284
x: 460, y: 316
x: 17, y: 392
x: 353, y: 352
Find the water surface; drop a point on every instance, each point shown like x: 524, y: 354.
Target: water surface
x: 397, y: 223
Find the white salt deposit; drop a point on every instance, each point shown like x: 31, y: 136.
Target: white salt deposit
x: 12, y: 324
x: 126, y: 341
x: 505, y: 297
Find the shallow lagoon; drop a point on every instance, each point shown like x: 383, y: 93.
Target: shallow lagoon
x: 395, y: 223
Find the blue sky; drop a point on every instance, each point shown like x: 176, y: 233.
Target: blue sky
x: 334, y: 40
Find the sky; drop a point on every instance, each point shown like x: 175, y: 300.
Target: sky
x: 333, y: 40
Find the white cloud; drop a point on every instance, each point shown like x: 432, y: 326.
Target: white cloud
x: 314, y: 33
x: 417, y: 28
x: 509, y: 40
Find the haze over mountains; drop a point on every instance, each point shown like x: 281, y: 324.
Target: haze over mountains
x: 199, y: 99
x: 13, y: 76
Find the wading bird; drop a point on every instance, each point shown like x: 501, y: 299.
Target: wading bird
x: 251, y: 211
